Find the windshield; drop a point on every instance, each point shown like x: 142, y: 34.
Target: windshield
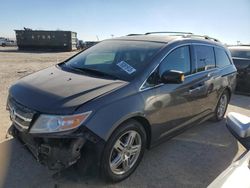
x: 240, y: 53
x: 118, y: 59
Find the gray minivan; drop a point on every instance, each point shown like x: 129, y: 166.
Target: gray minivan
x: 104, y: 106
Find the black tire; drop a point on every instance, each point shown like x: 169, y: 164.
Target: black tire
x: 3, y: 44
x: 128, y: 126
x: 219, y: 116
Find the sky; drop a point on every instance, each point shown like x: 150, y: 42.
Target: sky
x: 227, y: 20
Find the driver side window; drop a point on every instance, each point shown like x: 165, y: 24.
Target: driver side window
x: 179, y: 60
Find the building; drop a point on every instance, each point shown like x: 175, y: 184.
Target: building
x: 28, y: 39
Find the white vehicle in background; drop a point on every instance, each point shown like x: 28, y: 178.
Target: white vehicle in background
x: 7, y: 42
x: 238, y: 173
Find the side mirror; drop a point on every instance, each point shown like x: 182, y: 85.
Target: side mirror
x: 239, y: 126
x: 172, y: 77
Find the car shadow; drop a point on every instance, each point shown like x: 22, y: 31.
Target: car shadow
x: 192, y: 159
x: 241, y: 101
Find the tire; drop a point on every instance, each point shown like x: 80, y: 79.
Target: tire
x: 221, y: 107
x: 119, y: 153
x: 3, y: 44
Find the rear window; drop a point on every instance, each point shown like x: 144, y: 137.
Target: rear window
x: 222, y: 59
x: 240, y: 53
x: 203, y: 58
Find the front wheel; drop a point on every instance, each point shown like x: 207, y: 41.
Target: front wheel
x: 123, y: 151
x: 221, y: 107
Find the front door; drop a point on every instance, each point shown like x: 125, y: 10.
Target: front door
x: 171, y: 106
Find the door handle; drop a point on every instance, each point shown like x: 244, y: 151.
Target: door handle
x: 213, y: 74
x: 195, y: 89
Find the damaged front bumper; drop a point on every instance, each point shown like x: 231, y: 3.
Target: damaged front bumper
x: 56, y: 151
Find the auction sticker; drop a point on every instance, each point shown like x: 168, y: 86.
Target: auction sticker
x: 126, y: 67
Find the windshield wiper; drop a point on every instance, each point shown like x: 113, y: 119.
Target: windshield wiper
x: 97, y: 72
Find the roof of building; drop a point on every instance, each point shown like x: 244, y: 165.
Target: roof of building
x: 30, y: 30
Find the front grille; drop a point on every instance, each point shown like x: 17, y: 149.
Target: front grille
x: 20, y: 115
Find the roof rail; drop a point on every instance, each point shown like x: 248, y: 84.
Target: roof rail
x: 169, y: 32
x: 182, y: 34
x: 203, y: 36
x: 133, y: 34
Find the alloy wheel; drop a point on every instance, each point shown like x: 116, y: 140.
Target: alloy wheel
x: 222, y: 106
x: 125, y: 152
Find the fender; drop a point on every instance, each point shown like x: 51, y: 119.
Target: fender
x: 103, y: 124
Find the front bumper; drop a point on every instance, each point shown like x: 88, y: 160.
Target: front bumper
x: 55, y: 151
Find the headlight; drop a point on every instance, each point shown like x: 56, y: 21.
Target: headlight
x: 56, y: 123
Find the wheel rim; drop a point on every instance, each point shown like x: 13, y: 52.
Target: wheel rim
x: 222, y: 106
x: 125, y: 152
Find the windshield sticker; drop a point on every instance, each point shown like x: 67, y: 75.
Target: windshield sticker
x: 126, y: 67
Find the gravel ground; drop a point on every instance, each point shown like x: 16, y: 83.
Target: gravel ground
x: 192, y: 159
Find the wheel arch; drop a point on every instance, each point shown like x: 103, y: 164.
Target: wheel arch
x: 143, y: 121
x: 146, y: 125
x: 229, y: 92
x: 222, y: 90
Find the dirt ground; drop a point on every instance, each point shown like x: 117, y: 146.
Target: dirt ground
x: 14, y: 65
x: 192, y: 159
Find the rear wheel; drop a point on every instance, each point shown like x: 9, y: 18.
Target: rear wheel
x: 221, y: 107
x: 123, y: 151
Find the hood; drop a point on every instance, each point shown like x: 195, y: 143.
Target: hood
x: 55, y: 91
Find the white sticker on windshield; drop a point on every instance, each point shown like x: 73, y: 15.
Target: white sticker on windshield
x: 126, y: 67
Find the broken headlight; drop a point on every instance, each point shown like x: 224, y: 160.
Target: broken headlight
x: 57, y: 123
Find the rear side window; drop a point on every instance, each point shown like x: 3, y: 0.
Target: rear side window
x: 222, y: 59
x: 203, y: 57
x: 179, y: 60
